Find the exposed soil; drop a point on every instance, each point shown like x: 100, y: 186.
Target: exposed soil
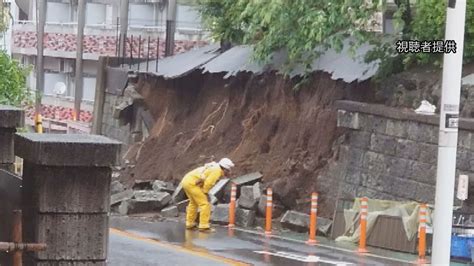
x: 257, y: 121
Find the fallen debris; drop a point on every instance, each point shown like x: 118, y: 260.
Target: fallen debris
x: 324, y: 226
x: 277, y: 209
x: 244, y: 218
x: 115, y: 175
x: 220, y: 214
x: 121, y: 196
x: 123, y: 208
x: 145, y: 201
x: 218, y: 189
x: 116, y: 187
x: 295, y: 221
x: 213, y: 200
x: 142, y: 185
x: 161, y: 186
x: 182, y: 205
x: 178, y: 194
x: 250, y: 196
x: 171, y: 211
x: 299, y: 222
x: 248, y: 179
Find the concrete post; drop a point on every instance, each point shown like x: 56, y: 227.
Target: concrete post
x: 448, y: 134
x: 79, y: 80
x: 125, y: 5
x: 66, y: 196
x: 170, y: 27
x: 10, y: 119
x: 99, y: 100
x: 40, y: 58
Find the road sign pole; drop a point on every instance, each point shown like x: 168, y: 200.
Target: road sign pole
x: 448, y: 133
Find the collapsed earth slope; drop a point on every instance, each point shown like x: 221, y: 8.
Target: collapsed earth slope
x: 259, y: 122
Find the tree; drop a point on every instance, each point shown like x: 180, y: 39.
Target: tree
x: 13, y: 89
x: 303, y: 28
x: 4, y: 17
x: 429, y: 24
x: 306, y: 28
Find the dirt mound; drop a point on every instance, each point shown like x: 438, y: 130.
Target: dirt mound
x: 257, y: 121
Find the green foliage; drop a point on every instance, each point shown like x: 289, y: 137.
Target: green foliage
x: 303, y: 28
x: 13, y: 89
x: 306, y: 28
x: 428, y: 24
x: 223, y: 18
x: 4, y: 17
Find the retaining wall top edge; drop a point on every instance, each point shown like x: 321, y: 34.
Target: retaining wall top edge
x: 11, y: 117
x: 67, y: 149
x: 403, y: 114
x: 9, y: 108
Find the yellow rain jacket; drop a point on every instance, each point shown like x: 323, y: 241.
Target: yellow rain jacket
x: 196, y: 185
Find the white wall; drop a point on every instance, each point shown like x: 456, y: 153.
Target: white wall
x: 89, y: 89
x: 50, y: 80
x: 187, y: 17
x: 109, y: 15
x: 96, y: 13
x: 141, y: 14
x: 58, y: 12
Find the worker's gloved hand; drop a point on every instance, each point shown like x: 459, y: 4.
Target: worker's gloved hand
x: 199, y: 182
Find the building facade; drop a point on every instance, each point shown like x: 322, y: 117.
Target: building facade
x: 145, y: 38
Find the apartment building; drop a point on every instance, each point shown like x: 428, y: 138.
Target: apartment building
x: 147, y: 19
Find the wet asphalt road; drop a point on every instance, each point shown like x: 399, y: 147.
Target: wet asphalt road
x: 137, y: 242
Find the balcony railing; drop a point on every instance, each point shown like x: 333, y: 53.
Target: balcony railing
x: 183, y: 27
x: 102, y: 40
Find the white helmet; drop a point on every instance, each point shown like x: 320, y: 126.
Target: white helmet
x: 226, y: 163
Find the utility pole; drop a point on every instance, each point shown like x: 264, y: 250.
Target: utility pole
x: 448, y: 134
x: 123, y: 27
x: 81, y: 21
x: 41, y: 11
x: 170, y: 27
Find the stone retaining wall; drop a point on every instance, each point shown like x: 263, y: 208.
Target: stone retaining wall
x: 111, y: 127
x: 391, y: 154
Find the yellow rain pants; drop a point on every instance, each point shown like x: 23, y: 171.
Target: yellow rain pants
x: 197, y: 193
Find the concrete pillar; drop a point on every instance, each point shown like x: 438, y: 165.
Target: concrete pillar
x: 66, y: 195
x: 10, y: 119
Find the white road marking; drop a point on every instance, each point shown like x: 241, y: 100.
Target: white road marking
x: 301, y: 258
x: 345, y: 250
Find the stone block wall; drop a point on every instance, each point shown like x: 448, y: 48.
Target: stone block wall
x: 111, y: 127
x: 388, y: 153
x: 11, y: 118
x: 66, y: 196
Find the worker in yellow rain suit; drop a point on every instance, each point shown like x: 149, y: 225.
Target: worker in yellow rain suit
x: 196, y: 184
